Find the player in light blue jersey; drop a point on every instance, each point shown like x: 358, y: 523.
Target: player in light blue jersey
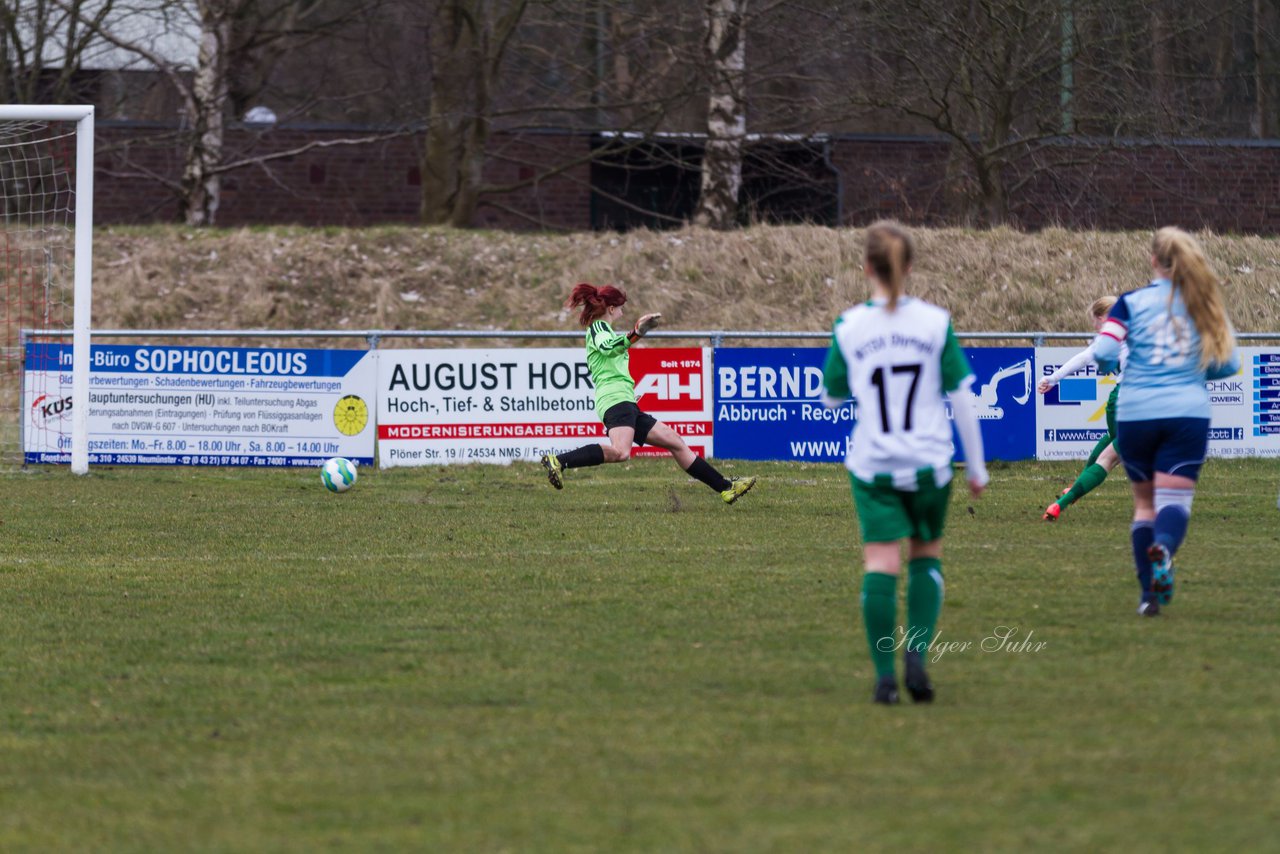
x: 1179, y: 337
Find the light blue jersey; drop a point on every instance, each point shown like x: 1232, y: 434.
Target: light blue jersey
x: 1162, y: 376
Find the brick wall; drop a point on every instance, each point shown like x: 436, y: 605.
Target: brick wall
x: 1225, y: 186
x: 1229, y: 186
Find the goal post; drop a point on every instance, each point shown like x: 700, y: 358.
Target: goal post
x: 46, y: 216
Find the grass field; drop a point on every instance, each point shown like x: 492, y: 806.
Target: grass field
x: 463, y: 659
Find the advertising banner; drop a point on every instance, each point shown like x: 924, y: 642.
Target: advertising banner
x: 769, y: 407
x: 1245, y: 408
x: 1072, y: 416
x: 498, y: 406
x: 217, y: 406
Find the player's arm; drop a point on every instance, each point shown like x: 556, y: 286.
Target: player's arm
x: 1222, y: 370
x: 1079, y: 360
x: 1106, y: 347
x: 835, y: 376
x: 604, y: 339
x: 642, y: 327
x: 1229, y: 368
x: 957, y: 382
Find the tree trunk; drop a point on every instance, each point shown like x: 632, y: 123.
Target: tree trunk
x: 201, y: 183
x: 726, y: 115
x: 1162, y: 65
x: 464, y: 57
x: 1266, y: 34
x: 995, y: 200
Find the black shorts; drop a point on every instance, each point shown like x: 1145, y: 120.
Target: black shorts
x: 629, y: 415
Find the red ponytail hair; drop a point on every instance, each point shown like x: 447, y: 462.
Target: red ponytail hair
x: 594, y: 301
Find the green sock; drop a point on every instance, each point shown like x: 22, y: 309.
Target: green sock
x: 1087, y: 481
x: 880, y: 614
x: 924, y: 600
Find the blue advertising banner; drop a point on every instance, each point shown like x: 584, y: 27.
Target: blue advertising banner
x: 203, y: 406
x: 768, y: 404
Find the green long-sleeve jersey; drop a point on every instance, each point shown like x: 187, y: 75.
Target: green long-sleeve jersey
x: 610, y: 366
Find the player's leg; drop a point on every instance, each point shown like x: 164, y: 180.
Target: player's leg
x: 1109, y: 458
x: 925, y: 585
x: 881, y: 564
x: 620, y: 441
x: 1137, y: 443
x: 619, y: 418
x: 653, y: 432
x: 1178, y: 465
x: 883, y: 520
x: 660, y: 435
x: 1177, y: 470
x: 1104, y: 460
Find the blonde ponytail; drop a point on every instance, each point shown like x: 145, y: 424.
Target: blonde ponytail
x: 1101, y: 307
x: 889, y: 253
x: 1180, y: 254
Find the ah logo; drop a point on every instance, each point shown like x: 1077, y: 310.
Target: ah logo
x: 670, y: 379
x: 671, y: 386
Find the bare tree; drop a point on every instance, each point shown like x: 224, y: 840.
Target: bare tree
x: 726, y: 50
x: 42, y: 43
x: 231, y: 35
x: 1266, y: 75
x: 521, y: 67
x: 986, y: 74
x: 468, y: 43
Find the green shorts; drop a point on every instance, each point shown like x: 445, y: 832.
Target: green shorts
x: 1108, y: 440
x: 886, y: 513
x: 1111, y: 411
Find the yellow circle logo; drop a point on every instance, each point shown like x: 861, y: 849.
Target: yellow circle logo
x: 350, y: 415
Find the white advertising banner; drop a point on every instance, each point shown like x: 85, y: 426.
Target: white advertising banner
x: 1246, y: 408
x: 498, y: 406
x: 197, y: 406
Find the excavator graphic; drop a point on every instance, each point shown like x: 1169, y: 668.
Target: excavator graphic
x: 988, y: 409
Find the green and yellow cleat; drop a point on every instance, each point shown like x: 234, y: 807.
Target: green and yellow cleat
x: 738, y: 487
x: 551, y: 463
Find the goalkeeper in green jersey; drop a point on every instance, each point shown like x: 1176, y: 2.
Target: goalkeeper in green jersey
x: 1103, y: 458
x: 616, y: 398
x: 898, y: 357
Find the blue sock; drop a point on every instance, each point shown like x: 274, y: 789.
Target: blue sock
x: 1143, y: 535
x: 1171, y: 527
x: 1173, y: 512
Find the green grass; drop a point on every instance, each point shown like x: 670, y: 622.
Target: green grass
x: 463, y: 659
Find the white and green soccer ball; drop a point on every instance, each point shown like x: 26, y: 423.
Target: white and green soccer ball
x: 338, y: 474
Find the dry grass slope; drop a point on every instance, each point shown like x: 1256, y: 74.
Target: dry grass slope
x: 774, y: 278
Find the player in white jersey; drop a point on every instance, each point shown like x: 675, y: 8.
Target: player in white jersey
x: 898, y: 357
x: 1179, y: 337
x: 1103, y: 458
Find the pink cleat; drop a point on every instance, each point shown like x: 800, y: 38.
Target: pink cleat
x: 1052, y: 512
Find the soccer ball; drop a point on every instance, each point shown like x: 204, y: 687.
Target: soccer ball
x: 338, y: 474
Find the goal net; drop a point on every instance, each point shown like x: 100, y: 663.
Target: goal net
x: 46, y: 216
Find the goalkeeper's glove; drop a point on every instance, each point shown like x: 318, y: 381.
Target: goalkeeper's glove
x: 642, y: 327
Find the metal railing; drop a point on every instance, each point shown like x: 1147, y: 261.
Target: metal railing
x: 716, y: 336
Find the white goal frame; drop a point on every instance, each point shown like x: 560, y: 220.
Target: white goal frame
x: 82, y: 312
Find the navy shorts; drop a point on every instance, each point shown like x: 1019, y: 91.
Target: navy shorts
x: 629, y: 415
x: 1170, y: 445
